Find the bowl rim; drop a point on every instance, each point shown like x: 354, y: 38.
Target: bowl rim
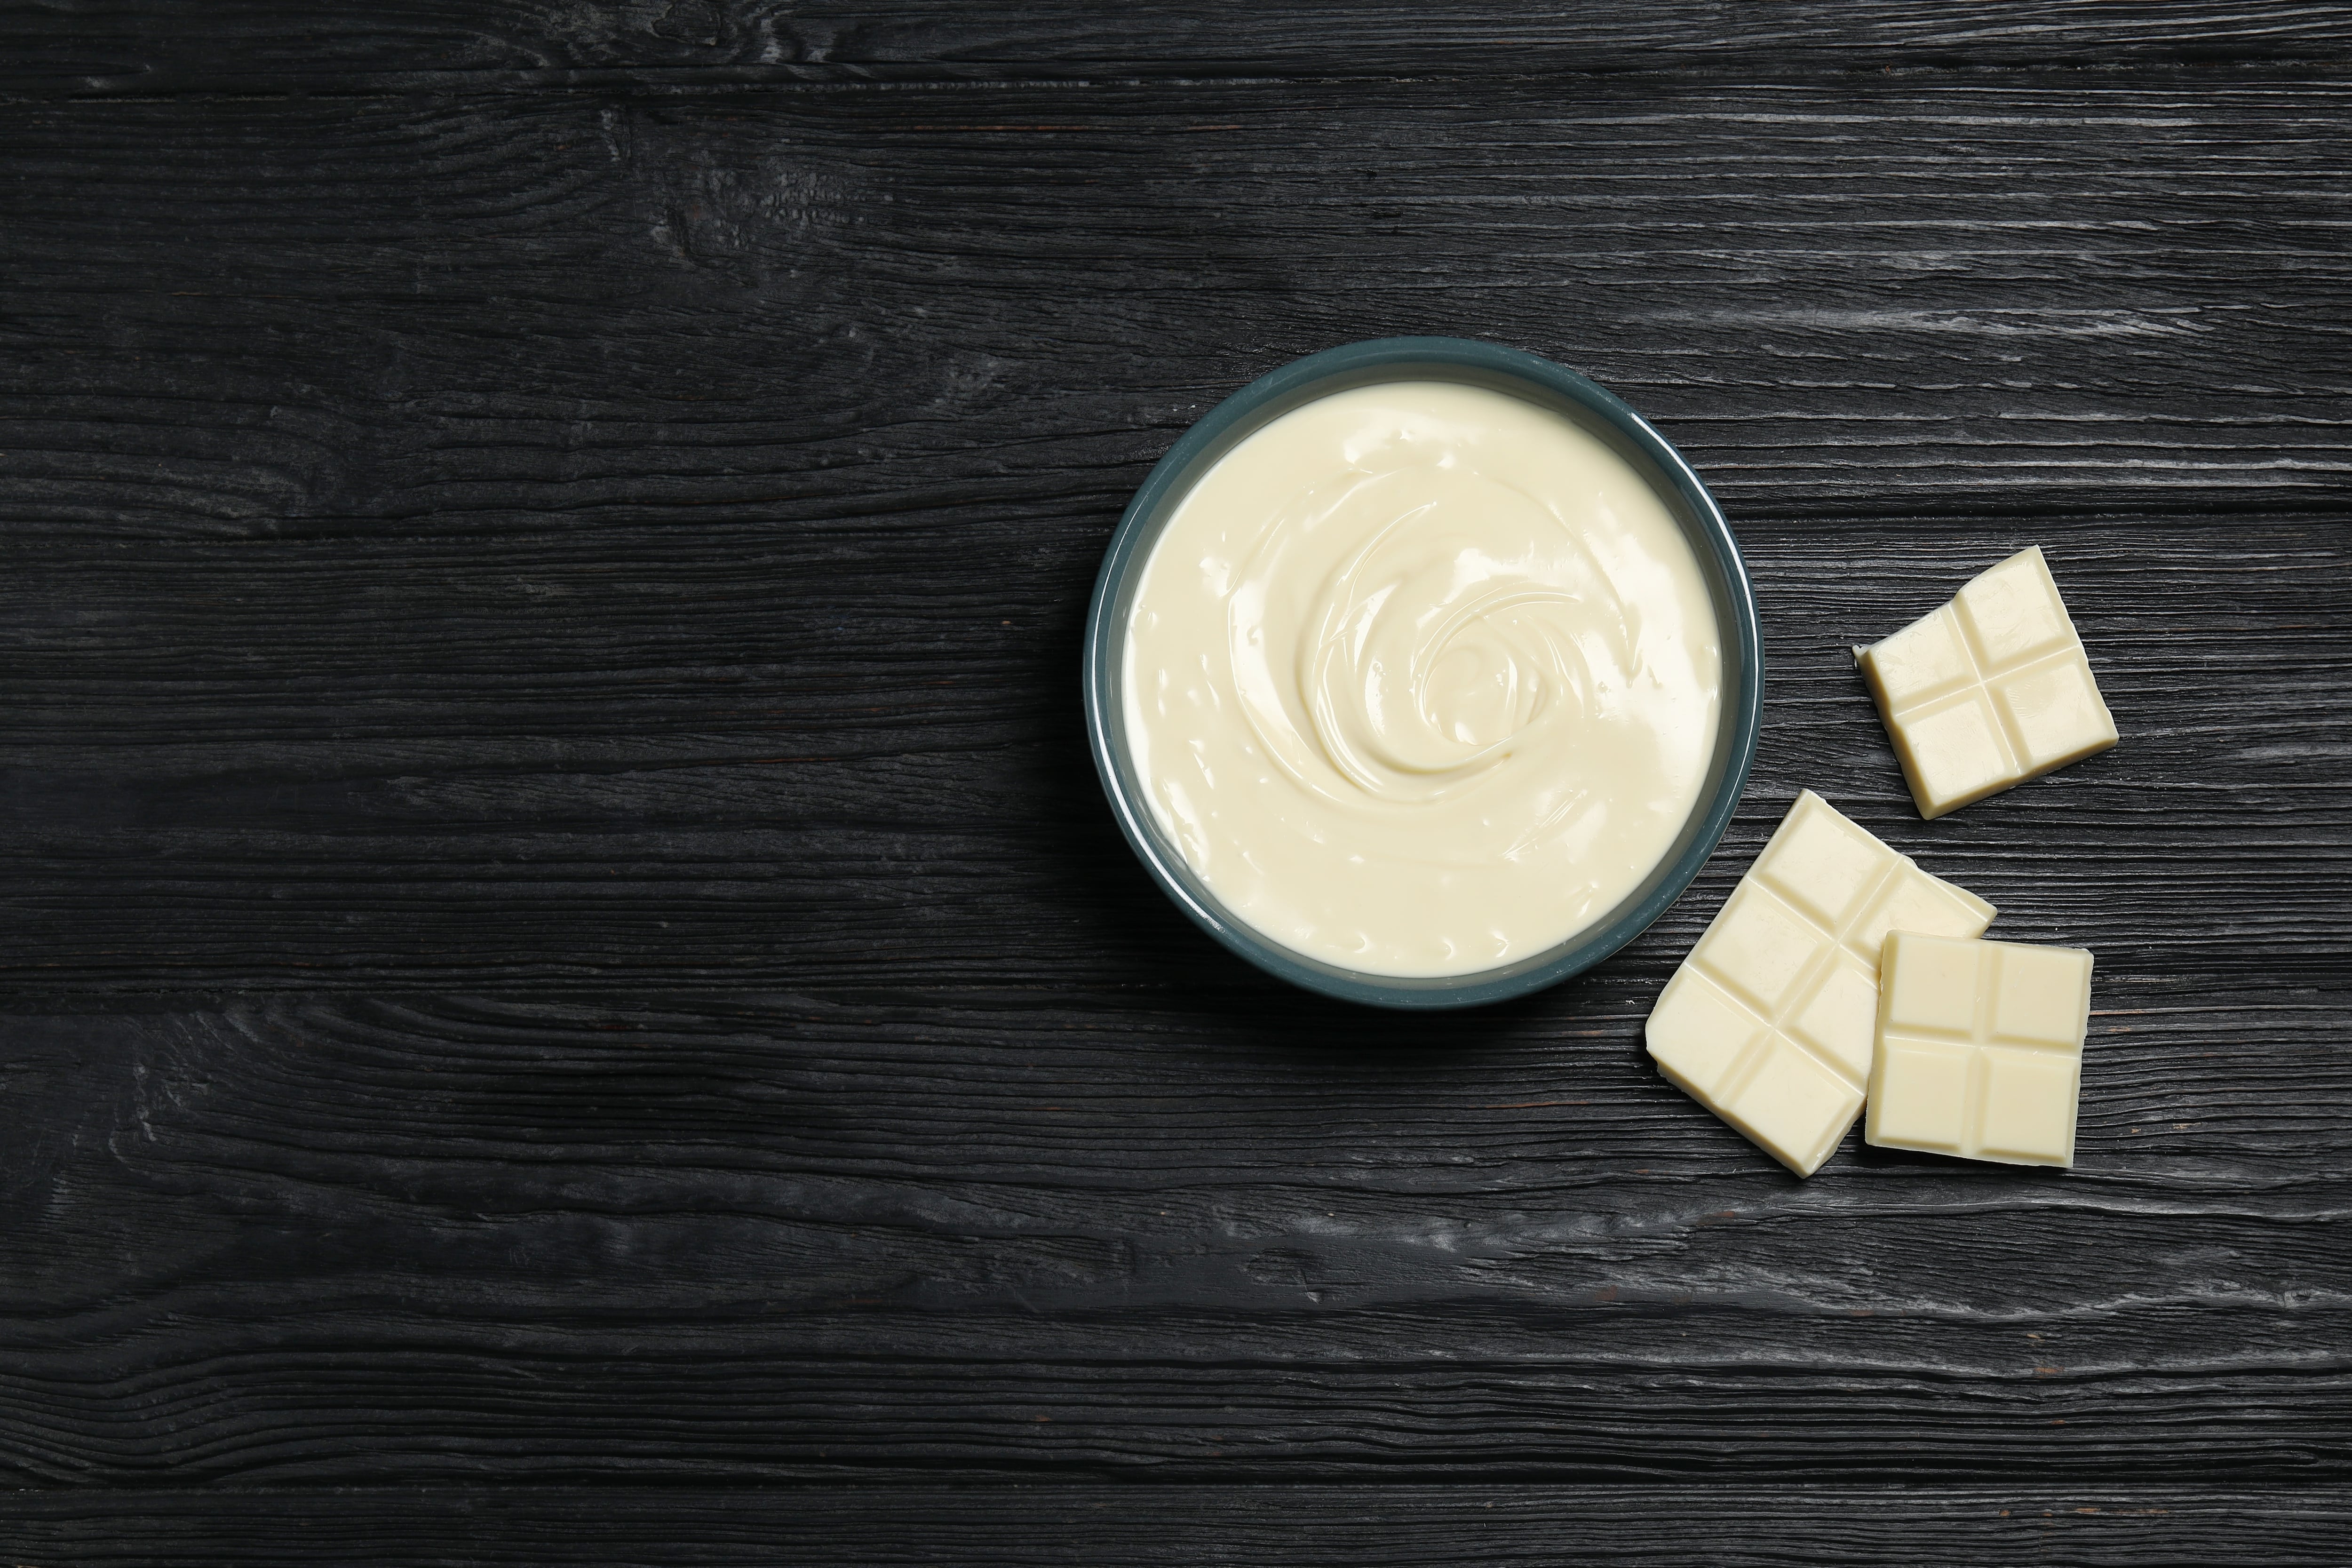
x: 1478, y: 363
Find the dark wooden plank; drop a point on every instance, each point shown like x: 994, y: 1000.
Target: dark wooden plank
x: 335, y: 762
x: 1018, y: 1527
x: 151, y: 45
x: 850, y: 308
x: 1220, y: 1237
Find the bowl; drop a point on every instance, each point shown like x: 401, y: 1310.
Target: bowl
x: 1495, y: 368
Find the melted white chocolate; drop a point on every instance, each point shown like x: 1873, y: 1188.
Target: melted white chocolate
x: 1421, y: 679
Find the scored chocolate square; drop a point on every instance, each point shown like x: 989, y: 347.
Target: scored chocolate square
x: 1770, y: 1022
x: 1980, y: 1049
x: 1989, y: 691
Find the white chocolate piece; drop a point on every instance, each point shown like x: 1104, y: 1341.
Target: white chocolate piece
x: 1769, y: 1022
x: 1989, y: 690
x: 1980, y: 1049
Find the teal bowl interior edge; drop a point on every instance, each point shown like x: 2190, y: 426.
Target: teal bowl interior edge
x: 1523, y: 375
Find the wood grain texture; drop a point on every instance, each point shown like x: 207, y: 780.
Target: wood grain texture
x: 557, y: 929
x: 623, y: 541
x: 1219, y: 1236
x: 871, y: 309
x: 1053, y: 1527
x: 340, y: 763
x: 151, y: 45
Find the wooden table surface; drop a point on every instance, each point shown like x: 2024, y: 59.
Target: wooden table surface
x: 571, y: 991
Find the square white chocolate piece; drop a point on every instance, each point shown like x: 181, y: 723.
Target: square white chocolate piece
x: 1989, y: 690
x: 1979, y: 1049
x: 1770, y: 1023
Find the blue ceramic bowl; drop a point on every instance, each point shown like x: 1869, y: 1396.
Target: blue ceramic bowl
x: 1549, y: 385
